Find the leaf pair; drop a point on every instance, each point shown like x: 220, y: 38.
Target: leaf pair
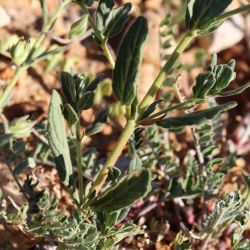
x: 110, y: 21
x: 128, y: 62
x: 201, y: 14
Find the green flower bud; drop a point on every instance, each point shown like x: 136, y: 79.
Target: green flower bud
x: 21, y: 127
x: 20, y: 51
x: 79, y: 27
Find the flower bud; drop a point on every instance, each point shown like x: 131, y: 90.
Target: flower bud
x: 21, y: 127
x: 79, y: 27
x: 20, y: 51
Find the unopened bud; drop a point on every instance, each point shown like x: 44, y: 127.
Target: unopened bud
x: 79, y: 27
x: 20, y: 51
x: 21, y: 127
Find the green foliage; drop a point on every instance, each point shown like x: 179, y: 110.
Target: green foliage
x: 128, y: 62
x: 103, y: 197
x: 57, y: 138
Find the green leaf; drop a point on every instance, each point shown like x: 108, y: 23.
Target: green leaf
x: 203, y: 84
x: 98, y: 124
x: 208, y: 151
x: 201, y: 14
x: 86, y: 101
x: 128, y: 61
x: 94, y: 84
x: 102, y: 13
x: 124, y: 193
x: 195, y: 117
x: 70, y: 115
x: 234, y: 91
x: 57, y: 139
x: 79, y: 27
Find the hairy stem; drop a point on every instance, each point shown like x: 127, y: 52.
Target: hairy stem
x: 98, y: 34
x: 184, y: 43
x: 114, y: 155
x: 79, y: 159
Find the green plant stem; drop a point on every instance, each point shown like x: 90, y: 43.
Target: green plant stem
x: 99, y: 35
x: 79, y: 159
x: 6, y: 93
x: 167, y: 68
x: 114, y: 155
x: 108, y: 55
